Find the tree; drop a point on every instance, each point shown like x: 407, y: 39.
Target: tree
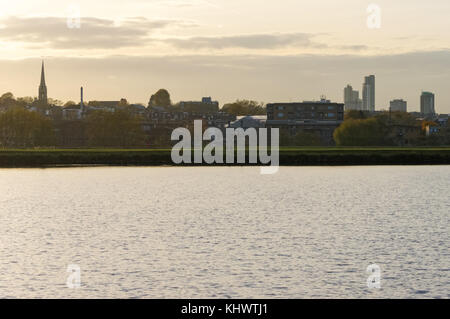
x: 6, y: 96
x: 400, y: 118
x: 69, y: 104
x: 302, y: 138
x: 160, y: 98
x: 384, y: 129
x: 123, y: 102
x: 444, y: 135
x: 114, y: 129
x: 26, y: 100
x: 21, y: 128
x: 7, y: 101
x: 245, y: 107
x: 361, y: 132
x: 51, y: 101
x: 356, y: 114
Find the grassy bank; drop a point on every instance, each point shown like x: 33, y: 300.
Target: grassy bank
x: 288, y: 157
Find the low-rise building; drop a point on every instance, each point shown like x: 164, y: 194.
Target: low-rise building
x: 398, y: 106
x: 443, y: 120
x: 319, y: 117
x: 432, y: 129
x: 71, y: 113
x: 206, y: 105
x: 249, y: 121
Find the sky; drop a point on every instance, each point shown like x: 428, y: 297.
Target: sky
x: 268, y: 51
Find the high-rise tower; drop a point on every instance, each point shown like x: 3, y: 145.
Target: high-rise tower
x: 42, y: 87
x: 369, y: 93
x: 427, y: 103
x: 351, y: 99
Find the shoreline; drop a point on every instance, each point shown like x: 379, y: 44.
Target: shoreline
x: 333, y: 156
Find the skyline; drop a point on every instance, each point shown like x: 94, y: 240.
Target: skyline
x: 221, y: 103
x: 199, y: 48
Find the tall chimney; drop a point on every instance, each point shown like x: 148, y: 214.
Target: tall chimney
x: 82, y: 104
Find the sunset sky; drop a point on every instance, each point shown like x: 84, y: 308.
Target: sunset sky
x: 284, y: 50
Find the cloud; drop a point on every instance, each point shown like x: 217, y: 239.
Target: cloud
x: 94, y: 33
x: 98, y: 33
x: 355, y: 48
x: 259, y: 42
x: 254, y: 41
x: 186, y: 3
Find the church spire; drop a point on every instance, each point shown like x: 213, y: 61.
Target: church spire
x: 42, y: 75
x: 43, y: 87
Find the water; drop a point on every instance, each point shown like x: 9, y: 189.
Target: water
x: 225, y: 232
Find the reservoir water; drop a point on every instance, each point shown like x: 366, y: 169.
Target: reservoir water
x: 217, y: 232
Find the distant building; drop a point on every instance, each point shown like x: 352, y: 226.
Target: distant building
x: 398, y: 106
x: 427, y: 103
x: 369, y: 93
x: 322, y: 110
x: 206, y: 105
x: 432, y: 130
x: 104, y: 104
x: 159, y: 122
x: 443, y: 120
x: 160, y: 116
x: 138, y: 109
x: 72, y: 113
x: 112, y: 106
x: 75, y: 112
x: 249, y: 121
x: 321, y: 117
x: 351, y: 99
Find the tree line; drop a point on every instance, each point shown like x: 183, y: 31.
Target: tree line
x: 387, y: 129
x: 21, y: 128
x: 123, y: 128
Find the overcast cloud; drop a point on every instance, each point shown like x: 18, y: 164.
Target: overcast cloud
x: 94, y: 33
